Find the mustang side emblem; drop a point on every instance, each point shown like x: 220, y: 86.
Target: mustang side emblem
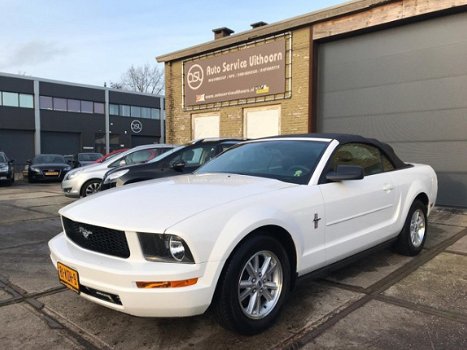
x: 84, y: 232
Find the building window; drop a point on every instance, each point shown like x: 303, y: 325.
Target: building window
x: 74, y: 106
x: 135, y: 112
x: 45, y: 102
x: 155, y: 113
x: 145, y: 112
x: 113, y: 109
x: 26, y: 101
x: 10, y: 99
x: 125, y: 111
x: 98, y: 108
x: 87, y: 107
x: 60, y: 104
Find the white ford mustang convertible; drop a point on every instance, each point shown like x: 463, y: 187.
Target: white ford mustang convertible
x: 238, y: 233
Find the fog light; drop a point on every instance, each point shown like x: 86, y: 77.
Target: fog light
x: 167, y: 284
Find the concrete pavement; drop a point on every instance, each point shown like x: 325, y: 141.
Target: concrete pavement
x: 384, y: 301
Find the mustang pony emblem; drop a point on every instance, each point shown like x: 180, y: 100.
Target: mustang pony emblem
x: 84, y: 232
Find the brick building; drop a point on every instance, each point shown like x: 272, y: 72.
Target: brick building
x: 390, y: 69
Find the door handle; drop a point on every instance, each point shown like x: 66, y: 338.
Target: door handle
x: 388, y: 188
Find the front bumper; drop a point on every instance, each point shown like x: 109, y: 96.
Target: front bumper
x: 71, y: 188
x: 118, y: 277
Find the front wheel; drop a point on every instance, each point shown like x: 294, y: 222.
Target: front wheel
x: 412, y: 237
x: 90, y: 187
x: 253, y: 286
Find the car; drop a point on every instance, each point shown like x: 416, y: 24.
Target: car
x: 84, y: 181
x: 238, y: 233
x: 180, y: 160
x: 83, y: 159
x: 7, y: 171
x: 111, y: 154
x: 46, y: 167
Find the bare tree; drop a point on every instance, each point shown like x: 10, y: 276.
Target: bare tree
x: 147, y: 78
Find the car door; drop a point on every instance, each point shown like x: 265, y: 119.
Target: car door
x: 358, y: 213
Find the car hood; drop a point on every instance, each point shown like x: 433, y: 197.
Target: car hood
x: 155, y: 205
x: 50, y: 165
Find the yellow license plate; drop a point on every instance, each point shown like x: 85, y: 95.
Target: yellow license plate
x: 68, y: 276
x: 52, y: 173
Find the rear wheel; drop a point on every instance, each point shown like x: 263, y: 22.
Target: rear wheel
x: 253, y: 286
x: 90, y: 187
x: 412, y: 237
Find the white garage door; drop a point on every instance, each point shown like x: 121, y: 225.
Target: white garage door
x: 406, y: 86
x: 262, y: 121
x: 205, y: 126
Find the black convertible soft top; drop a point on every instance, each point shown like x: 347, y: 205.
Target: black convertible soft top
x: 349, y: 138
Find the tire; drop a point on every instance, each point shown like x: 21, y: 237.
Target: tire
x: 413, y: 235
x: 245, y: 300
x: 90, y: 187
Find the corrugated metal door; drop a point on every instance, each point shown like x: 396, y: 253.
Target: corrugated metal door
x: 61, y: 142
x: 407, y: 86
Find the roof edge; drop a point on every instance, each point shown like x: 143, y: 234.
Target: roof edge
x: 274, y: 28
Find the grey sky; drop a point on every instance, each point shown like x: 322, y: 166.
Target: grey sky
x: 92, y: 41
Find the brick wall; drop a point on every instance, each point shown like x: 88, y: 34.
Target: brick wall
x: 295, y: 110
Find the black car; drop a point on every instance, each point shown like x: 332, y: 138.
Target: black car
x: 181, y: 160
x: 7, y: 173
x: 45, y: 167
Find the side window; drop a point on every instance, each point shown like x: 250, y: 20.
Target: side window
x: 366, y: 156
x: 196, y: 156
x: 140, y: 156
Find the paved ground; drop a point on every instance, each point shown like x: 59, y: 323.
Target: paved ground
x: 385, y: 301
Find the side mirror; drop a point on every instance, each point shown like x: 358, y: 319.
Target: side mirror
x: 28, y: 161
x: 345, y: 172
x: 179, y: 165
x: 11, y: 161
x: 122, y: 162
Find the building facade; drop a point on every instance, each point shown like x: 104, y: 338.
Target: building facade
x: 45, y: 116
x: 390, y: 69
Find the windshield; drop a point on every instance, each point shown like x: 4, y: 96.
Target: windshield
x: 285, y: 160
x: 48, y: 158
x: 89, y: 157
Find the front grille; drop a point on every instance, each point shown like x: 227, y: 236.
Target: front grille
x: 96, y: 238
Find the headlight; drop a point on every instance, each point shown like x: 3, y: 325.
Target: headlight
x: 4, y: 168
x: 114, y: 176
x: 68, y: 168
x: 36, y: 170
x: 71, y: 174
x: 165, y: 248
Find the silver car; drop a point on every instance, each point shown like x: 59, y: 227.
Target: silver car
x: 83, y: 181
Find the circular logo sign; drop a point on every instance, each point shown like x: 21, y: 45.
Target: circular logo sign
x: 136, y: 126
x: 195, y: 76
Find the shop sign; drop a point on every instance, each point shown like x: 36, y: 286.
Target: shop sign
x: 247, y: 73
x: 136, y: 126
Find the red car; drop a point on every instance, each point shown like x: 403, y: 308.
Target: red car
x: 110, y: 155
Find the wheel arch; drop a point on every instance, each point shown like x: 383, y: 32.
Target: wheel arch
x: 281, y: 235
x: 85, y: 183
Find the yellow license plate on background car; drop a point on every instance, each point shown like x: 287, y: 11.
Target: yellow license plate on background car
x: 68, y: 276
x: 51, y: 173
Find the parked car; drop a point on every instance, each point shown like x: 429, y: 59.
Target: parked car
x: 84, y: 181
x: 240, y: 231
x: 83, y: 159
x: 7, y: 171
x: 46, y: 167
x: 181, y: 160
x: 111, y: 154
